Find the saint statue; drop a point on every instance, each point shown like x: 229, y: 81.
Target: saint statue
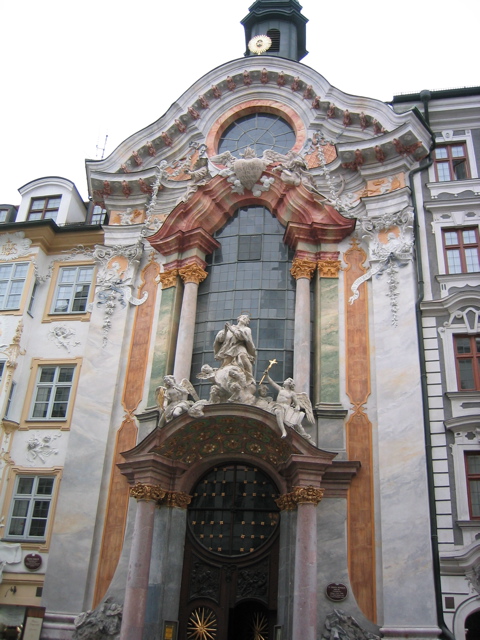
x: 234, y: 346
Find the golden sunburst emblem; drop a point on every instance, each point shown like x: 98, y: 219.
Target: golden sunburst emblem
x: 259, y: 44
x: 260, y: 627
x: 202, y: 624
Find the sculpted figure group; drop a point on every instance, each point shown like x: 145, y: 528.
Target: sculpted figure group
x: 233, y: 381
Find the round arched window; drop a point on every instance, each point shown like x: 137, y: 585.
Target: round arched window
x: 259, y: 131
x: 233, y: 510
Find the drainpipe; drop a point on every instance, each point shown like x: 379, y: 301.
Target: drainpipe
x: 425, y: 96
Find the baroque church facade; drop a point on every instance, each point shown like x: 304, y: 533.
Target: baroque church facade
x: 240, y: 389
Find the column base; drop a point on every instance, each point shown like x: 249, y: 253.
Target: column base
x: 412, y: 633
x: 58, y: 626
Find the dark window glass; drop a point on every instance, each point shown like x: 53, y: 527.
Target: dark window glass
x: 467, y: 354
x: 451, y: 162
x: 249, y: 273
x: 472, y: 465
x: 259, y: 131
x: 233, y: 510
x: 462, y: 250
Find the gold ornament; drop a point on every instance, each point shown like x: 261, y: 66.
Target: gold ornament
x: 299, y: 495
x: 192, y: 273
x: 202, y: 624
x: 169, y: 278
x: 176, y: 499
x: 329, y: 268
x: 259, y: 44
x: 302, y: 268
x: 147, y: 492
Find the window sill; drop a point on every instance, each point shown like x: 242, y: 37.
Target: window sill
x: 31, y: 423
x: 84, y: 316
x: 30, y: 545
x: 454, y: 187
x: 448, y: 281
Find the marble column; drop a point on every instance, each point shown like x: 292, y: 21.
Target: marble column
x: 305, y: 601
x: 302, y: 270
x: 192, y: 275
x: 136, y: 591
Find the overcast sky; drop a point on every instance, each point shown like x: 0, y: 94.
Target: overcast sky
x: 73, y: 73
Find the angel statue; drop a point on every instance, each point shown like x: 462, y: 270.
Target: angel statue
x: 172, y: 399
x: 290, y: 407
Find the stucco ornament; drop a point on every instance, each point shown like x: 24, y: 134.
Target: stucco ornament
x: 63, y: 337
x: 246, y: 172
x: 233, y: 381
x: 117, y: 266
x: 102, y: 623
x: 472, y: 576
x: 40, y: 448
x: 340, y: 625
x: 14, y: 245
x: 390, y: 239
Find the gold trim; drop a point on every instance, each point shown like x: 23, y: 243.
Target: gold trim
x: 178, y: 499
x: 192, y: 273
x: 299, y: 495
x: 168, y: 278
x: 147, y: 492
x: 329, y: 268
x: 302, y: 268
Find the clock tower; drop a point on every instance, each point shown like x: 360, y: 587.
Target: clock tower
x: 283, y: 23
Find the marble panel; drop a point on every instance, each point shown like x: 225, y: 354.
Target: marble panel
x: 406, y: 569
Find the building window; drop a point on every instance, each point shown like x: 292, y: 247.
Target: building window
x: 52, y: 392
x: 467, y: 355
x: 73, y: 289
x: 44, y: 208
x: 12, y: 280
x: 461, y: 250
x: 98, y: 215
x: 472, y: 467
x: 3, y: 215
x: 451, y: 162
x: 31, y: 504
x: 10, y: 398
x: 259, y: 131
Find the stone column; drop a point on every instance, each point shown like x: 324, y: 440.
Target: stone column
x: 166, y: 562
x: 192, y: 275
x: 136, y: 591
x: 305, y: 604
x: 302, y: 270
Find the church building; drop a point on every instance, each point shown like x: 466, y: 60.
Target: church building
x: 240, y: 388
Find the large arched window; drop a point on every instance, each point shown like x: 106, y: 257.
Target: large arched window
x: 233, y: 510
x: 249, y: 273
x: 259, y: 131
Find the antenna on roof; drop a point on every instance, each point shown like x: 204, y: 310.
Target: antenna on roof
x: 102, y: 149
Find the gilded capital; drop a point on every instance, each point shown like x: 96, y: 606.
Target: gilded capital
x: 169, y: 278
x: 192, y: 273
x: 147, y: 492
x: 299, y: 495
x: 329, y: 268
x: 178, y: 499
x: 302, y: 268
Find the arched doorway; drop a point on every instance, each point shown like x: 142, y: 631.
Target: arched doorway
x: 472, y: 626
x: 230, y: 571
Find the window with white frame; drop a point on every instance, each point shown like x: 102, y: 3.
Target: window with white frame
x: 31, y: 507
x: 461, y: 248
x: 12, y: 281
x: 73, y: 289
x: 52, y: 392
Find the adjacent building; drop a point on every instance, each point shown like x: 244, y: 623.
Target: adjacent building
x: 240, y: 388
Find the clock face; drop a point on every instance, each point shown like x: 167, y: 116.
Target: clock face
x: 259, y: 44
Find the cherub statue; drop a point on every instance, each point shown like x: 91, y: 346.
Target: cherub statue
x: 290, y: 407
x: 173, y: 398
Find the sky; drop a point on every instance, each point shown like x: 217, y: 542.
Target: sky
x: 74, y: 73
